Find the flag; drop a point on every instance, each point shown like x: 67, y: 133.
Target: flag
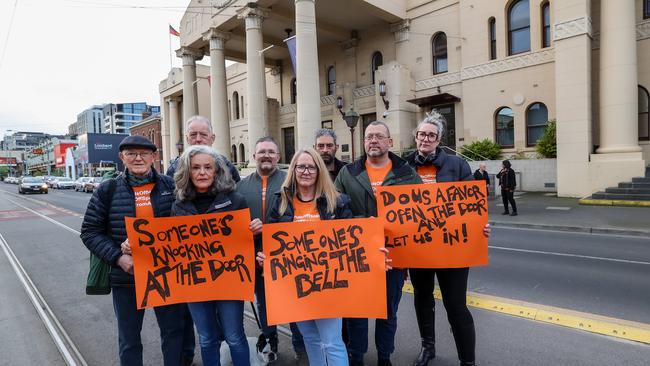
x: 173, y: 31
x: 291, y: 44
x: 209, y: 80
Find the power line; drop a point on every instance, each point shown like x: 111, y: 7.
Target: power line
x: 11, y: 23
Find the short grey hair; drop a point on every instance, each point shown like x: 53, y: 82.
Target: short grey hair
x: 379, y: 123
x: 266, y: 139
x: 325, y: 132
x: 433, y: 118
x: 185, y: 190
x: 198, y: 118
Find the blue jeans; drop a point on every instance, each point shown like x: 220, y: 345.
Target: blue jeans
x: 188, y: 334
x: 230, y: 315
x: 270, y: 331
x: 129, y: 326
x: 384, y: 328
x: 324, y: 342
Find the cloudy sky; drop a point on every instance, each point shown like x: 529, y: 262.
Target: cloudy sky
x: 59, y: 57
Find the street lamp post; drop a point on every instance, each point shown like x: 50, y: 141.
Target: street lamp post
x: 351, y: 118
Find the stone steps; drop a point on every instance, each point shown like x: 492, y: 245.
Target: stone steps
x: 636, y: 190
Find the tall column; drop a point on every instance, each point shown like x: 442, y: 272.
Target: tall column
x: 218, y: 93
x: 258, y: 124
x: 174, y: 128
x: 308, y: 118
x: 618, y: 78
x: 190, y: 99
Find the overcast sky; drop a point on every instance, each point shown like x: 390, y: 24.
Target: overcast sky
x: 63, y: 56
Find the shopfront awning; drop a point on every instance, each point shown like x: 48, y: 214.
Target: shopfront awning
x: 432, y: 100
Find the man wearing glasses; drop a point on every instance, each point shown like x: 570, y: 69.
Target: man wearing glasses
x: 259, y: 189
x: 378, y: 167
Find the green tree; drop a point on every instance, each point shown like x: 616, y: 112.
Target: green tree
x: 482, y: 150
x: 547, y: 144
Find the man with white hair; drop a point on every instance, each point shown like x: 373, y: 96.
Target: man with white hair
x: 482, y: 174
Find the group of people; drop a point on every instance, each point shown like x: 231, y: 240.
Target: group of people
x: 317, y: 186
x: 507, y: 182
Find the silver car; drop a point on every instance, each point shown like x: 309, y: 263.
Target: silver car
x: 33, y: 185
x: 62, y: 183
x: 80, y: 182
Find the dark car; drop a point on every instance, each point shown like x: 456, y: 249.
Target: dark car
x: 32, y: 185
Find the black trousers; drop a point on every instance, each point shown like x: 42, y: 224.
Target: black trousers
x: 508, y: 196
x: 453, y: 286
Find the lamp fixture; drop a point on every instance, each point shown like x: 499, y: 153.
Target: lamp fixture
x: 339, y: 106
x: 382, y: 93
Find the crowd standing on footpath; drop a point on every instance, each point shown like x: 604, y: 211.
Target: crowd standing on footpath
x: 317, y: 187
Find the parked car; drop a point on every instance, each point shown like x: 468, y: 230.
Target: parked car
x: 62, y: 183
x: 49, y: 179
x: 32, y: 184
x: 92, y: 184
x: 79, y: 183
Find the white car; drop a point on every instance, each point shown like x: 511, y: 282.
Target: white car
x: 63, y: 183
x: 32, y: 184
x: 80, y: 182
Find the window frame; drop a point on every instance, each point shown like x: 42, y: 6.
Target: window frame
x: 646, y: 9
x: 434, y: 57
x: 546, y: 6
x: 235, y: 105
x: 496, y: 129
x: 647, y: 113
x: 511, y: 30
x: 331, y: 83
x: 293, y: 91
x: 492, y: 35
x: 373, y: 64
x: 528, y: 126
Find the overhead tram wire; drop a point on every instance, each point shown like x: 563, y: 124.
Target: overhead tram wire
x: 11, y: 23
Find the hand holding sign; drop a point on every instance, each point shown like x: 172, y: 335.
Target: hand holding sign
x: 438, y: 225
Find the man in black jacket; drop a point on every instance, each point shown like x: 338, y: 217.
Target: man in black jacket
x: 327, y: 147
x: 103, y: 231
x: 508, y: 183
x: 482, y: 174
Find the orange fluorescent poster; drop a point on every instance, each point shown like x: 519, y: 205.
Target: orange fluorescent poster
x: 437, y: 225
x: 324, y: 269
x: 192, y: 258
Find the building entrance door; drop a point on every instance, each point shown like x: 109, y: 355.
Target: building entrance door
x: 449, y: 136
x: 289, y: 144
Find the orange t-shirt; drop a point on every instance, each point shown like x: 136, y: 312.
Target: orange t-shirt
x: 305, y: 211
x: 143, y: 206
x: 265, y: 181
x: 377, y: 175
x: 427, y: 173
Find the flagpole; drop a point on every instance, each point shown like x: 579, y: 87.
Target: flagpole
x: 170, y: 49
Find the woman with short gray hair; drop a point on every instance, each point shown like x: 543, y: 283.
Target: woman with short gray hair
x: 204, y: 186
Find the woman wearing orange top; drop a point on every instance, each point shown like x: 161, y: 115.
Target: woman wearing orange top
x: 308, y: 194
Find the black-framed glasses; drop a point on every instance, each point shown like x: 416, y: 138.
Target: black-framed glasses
x: 311, y: 169
x: 421, y: 135
x: 132, y: 155
x: 266, y: 153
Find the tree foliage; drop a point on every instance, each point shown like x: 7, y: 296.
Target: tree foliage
x: 547, y: 144
x: 482, y: 150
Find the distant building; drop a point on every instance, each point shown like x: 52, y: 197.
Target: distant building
x: 119, y: 118
x: 24, y: 141
x: 97, y: 153
x: 89, y: 121
x: 150, y: 128
x: 46, y: 157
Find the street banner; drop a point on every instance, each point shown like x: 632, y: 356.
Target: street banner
x: 438, y: 225
x: 324, y: 269
x: 291, y: 45
x: 192, y: 258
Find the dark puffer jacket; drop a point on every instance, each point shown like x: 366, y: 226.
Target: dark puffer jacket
x: 222, y: 202
x: 450, y: 168
x: 103, y: 229
x: 342, y: 210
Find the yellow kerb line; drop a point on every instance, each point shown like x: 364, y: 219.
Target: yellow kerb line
x: 633, y: 331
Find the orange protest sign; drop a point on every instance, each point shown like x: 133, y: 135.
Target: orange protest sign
x: 436, y: 225
x: 192, y: 258
x: 324, y: 269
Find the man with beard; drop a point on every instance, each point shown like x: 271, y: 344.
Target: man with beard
x: 327, y: 147
x: 378, y: 167
x: 259, y: 189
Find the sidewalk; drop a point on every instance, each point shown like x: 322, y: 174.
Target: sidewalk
x: 547, y: 211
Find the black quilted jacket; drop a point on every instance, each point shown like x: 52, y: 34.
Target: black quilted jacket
x: 103, y: 228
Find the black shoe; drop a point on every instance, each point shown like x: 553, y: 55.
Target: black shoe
x: 426, y: 355
x: 513, y: 214
x: 467, y: 363
x: 187, y: 361
x: 384, y: 362
x: 505, y: 213
x: 356, y: 362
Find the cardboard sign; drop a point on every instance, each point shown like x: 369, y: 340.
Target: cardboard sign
x: 324, y: 269
x: 436, y: 225
x: 192, y: 258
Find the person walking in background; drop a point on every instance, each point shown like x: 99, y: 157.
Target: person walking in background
x: 508, y: 183
x: 259, y: 190
x: 103, y: 232
x: 482, y: 174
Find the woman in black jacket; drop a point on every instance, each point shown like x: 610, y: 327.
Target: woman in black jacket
x: 508, y: 183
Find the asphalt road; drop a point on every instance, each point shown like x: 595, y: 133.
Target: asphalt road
x: 603, y: 275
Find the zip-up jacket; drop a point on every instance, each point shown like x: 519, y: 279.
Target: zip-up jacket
x: 103, y: 229
x: 450, y: 168
x: 353, y: 181
x: 342, y: 210
x: 223, y: 202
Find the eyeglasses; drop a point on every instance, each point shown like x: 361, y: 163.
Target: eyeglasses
x: 421, y: 135
x: 266, y: 153
x: 377, y: 136
x: 311, y: 169
x: 132, y: 155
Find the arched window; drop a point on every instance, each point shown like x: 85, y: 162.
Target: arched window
x: 519, y: 27
x: 235, y: 100
x: 233, y: 153
x: 242, y: 153
x: 331, y: 80
x: 492, y: 30
x: 294, y: 91
x: 644, y: 116
x: 439, y: 50
x: 536, y: 120
x: 546, y: 24
x: 377, y: 60
x: 505, y: 127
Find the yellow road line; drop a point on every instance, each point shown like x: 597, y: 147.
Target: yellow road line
x: 633, y: 331
x: 599, y: 202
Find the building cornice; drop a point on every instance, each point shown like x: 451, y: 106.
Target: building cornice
x: 573, y: 28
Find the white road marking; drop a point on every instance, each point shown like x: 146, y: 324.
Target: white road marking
x: 569, y: 255
x: 560, y: 208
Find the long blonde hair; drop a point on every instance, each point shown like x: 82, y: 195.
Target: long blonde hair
x: 324, y: 185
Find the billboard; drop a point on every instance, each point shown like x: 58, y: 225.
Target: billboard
x: 98, y: 148
x: 59, y: 153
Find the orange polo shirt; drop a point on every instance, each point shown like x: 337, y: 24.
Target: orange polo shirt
x: 305, y: 211
x: 427, y: 173
x: 377, y: 175
x: 143, y: 207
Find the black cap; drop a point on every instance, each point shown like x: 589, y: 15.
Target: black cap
x: 137, y: 142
